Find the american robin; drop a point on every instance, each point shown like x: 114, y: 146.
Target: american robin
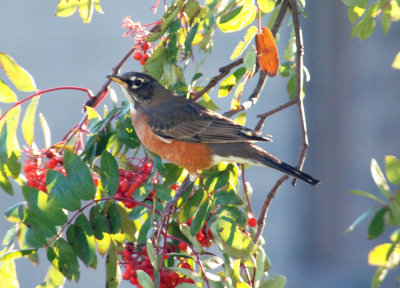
x: 190, y: 135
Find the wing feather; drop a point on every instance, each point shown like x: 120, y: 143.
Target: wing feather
x: 194, y: 123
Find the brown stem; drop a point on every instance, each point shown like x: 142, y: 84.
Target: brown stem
x: 273, y: 111
x: 299, y: 84
x: 265, y: 207
x: 214, y: 81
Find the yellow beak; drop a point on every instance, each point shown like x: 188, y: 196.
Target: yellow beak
x: 118, y: 79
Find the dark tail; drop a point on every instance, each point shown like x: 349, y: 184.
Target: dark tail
x: 290, y: 170
x: 252, y: 154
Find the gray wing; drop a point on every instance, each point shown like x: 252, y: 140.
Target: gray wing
x: 194, y: 123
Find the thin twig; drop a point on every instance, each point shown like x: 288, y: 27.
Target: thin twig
x: 271, y: 112
x: 223, y: 71
x: 265, y: 207
x: 299, y: 84
x: 298, y: 100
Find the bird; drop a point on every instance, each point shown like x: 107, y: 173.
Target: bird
x: 190, y: 135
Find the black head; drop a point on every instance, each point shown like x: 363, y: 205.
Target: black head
x: 140, y: 89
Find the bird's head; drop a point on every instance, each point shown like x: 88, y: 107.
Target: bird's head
x: 140, y: 89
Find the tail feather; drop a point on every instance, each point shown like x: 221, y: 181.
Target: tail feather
x: 290, y: 170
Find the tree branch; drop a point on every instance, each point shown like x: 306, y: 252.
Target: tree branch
x: 253, y: 98
x: 214, y: 81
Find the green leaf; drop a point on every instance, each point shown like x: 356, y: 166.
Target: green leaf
x: 366, y: 194
x: 82, y: 222
x: 8, y: 138
x: 21, y: 78
x: 242, y: 45
x: 13, y: 167
x: 83, y: 245
x: 189, y: 38
x: 16, y: 254
x: 150, y: 253
x: 393, y: 169
x: 28, y: 122
x: 128, y: 227
x: 8, y: 274
x: 396, y: 62
x: 59, y: 188
x: 231, y: 239
x: 163, y: 193
x: 39, y: 223
x: 64, y: 258
x: 364, y: 28
x: 5, y: 184
x: 46, y: 131
x: 109, y: 173
x: 278, y: 281
x: 168, y: 19
x: 200, y: 217
x: 359, y: 219
x: 377, y: 224
x: 192, y: 205
x: 171, y: 173
x: 379, y: 179
x: 44, y: 206
x: 98, y: 221
x: 144, y: 279
x: 238, y: 18
x: 114, y: 218
x: 53, y: 279
x: 113, y: 272
x: 28, y: 238
x: 6, y: 94
x: 66, y: 8
x: 353, y: 2
x: 79, y: 177
x: 386, y: 21
x: 227, y: 198
x: 266, y: 5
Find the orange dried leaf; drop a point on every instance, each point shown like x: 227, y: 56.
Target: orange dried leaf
x: 267, y: 52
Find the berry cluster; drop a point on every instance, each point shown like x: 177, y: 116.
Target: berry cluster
x: 141, y: 53
x: 36, y: 166
x: 204, y: 237
x: 129, y: 181
x: 139, y: 260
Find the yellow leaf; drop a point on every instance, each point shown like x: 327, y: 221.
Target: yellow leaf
x: 19, y: 76
x: 242, y: 45
x: 266, y: 6
x: 92, y: 113
x: 66, y: 8
x: 6, y: 94
x: 86, y: 10
x: 239, y: 18
x: 379, y: 256
x: 396, y: 62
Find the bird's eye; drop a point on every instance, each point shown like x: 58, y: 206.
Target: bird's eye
x: 138, y: 82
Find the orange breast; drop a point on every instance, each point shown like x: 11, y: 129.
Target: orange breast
x: 191, y: 156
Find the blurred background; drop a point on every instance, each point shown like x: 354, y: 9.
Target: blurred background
x: 352, y: 110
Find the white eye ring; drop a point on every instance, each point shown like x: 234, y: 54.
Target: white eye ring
x: 137, y: 82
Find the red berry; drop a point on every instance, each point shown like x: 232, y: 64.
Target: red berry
x: 123, y: 185
x: 186, y: 266
x: 142, y: 61
x: 145, y: 46
x: 182, y: 246
x: 137, y: 55
x: 252, y: 222
x: 51, y: 163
